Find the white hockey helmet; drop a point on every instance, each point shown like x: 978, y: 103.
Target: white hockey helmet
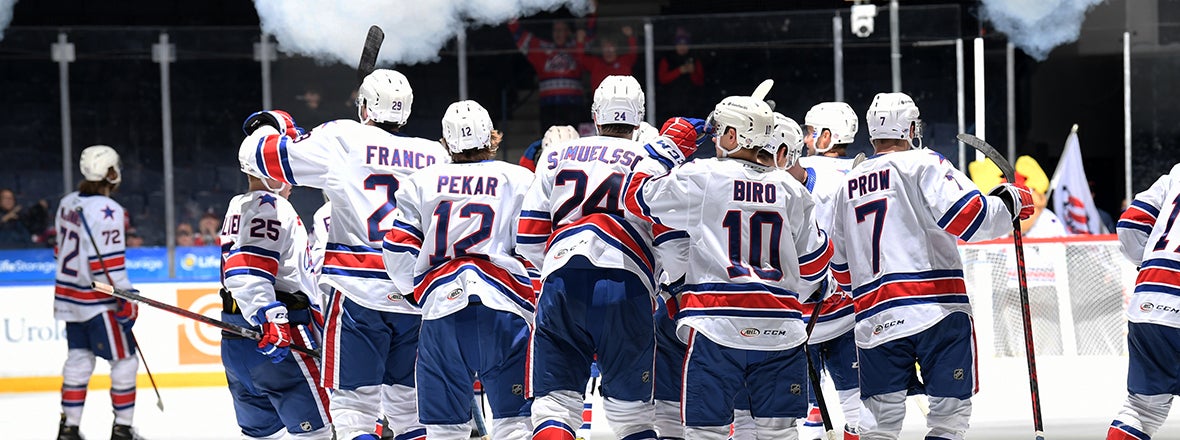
x: 750, y: 118
x: 557, y: 135
x: 466, y: 125
x: 385, y: 96
x: 787, y: 134
x: 837, y: 117
x: 618, y: 100
x: 645, y: 133
x: 891, y: 115
x: 96, y: 162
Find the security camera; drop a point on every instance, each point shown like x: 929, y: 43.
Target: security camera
x: 862, y: 19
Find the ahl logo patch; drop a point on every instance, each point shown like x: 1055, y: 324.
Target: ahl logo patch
x: 1146, y: 307
x: 750, y: 332
x: 455, y: 294
x: 957, y: 374
x: 395, y: 297
x: 796, y: 389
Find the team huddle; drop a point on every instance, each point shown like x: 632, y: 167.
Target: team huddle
x: 701, y: 289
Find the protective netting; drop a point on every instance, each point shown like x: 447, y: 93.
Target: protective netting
x: 1077, y: 295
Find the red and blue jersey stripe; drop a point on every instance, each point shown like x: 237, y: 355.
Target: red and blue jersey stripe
x: 113, y: 262
x: 517, y: 288
x: 903, y: 289
x: 1139, y: 216
x: 272, y: 160
x: 741, y: 300
x: 1159, y: 275
x: 357, y: 261
x: 80, y: 295
x: 252, y: 260
x: 404, y: 237
x: 965, y: 216
x: 833, y: 308
x: 842, y: 275
x: 616, y: 233
x: 814, y: 266
x: 534, y: 227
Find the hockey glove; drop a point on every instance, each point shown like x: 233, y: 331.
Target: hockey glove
x: 280, y: 120
x: 682, y: 133
x: 276, y: 332
x: 1016, y: 197
x: 126, y: 312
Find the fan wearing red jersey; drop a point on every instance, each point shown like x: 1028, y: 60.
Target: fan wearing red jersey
x: 896, y: 228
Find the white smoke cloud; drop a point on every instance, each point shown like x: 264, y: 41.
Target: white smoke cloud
x: 415, y: 30
x: 5, y: 15
x: 1038, y: 26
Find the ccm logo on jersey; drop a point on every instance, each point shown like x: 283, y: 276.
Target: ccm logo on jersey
x: 1149, y: 307
x: 752, y: 332
x: 757, y: 192
x: 882, y: 327
x: 868, y: 183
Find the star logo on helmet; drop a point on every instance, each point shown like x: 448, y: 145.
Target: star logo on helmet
x: 267, y: 199
x: 107, y: 212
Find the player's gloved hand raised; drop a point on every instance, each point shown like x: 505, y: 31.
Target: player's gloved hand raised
x: 280, y: 120
x: 682, y: 133
x: 1018, y: 198
x: 126, y: 312
x: 276, y: 332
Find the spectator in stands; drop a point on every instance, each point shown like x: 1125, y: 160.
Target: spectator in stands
x: 559, y: 74
x: 13, y: 233
x: 39, y: 222
x: 133, y: 238
x: 210, y: 229
x: 184, y: 235
x: 681, y: 78
x: 1107, y: 220
x: 611, y: 62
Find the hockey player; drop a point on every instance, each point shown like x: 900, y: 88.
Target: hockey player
x: 371, y: 333
x: 830, y: 128
x: 1153, y: 333
x: 597, y: 272
x: 452, y: 246
x: 269, y: 286
x: 897, y: 222
x: 756, y: 247
x: 96, y: 324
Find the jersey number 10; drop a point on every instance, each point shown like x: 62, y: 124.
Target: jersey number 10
x: 739, y: 267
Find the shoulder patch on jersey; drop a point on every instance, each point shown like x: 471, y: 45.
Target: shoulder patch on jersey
x: 267, y: 199
x: 108, y: 213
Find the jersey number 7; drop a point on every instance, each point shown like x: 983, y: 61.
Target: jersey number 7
x: 877, y: 209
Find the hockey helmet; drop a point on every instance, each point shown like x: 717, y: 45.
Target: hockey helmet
x: 96, y: 162
x: 750, y: 118
x: 891, y: 115
x: 836, y: 117
x: 787, y: 134
x: 466, y: 125
x: 618, y: 100
x: 557, y: 135
x: 385, y: 96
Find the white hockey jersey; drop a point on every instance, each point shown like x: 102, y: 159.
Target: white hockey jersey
x: 321, y: 220
x: 264, y: 249
x: 755, y: 251
x: 454, y: 236
x: 1152, y: 246
x: 575, y: 208
x: 896, y: 230
x: 77, y: 262
x: 825, y: 178
x: 360, y: 168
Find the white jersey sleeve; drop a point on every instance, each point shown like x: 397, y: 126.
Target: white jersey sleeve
x: 1154, y: 246
x: 403, y: 243
x: 321, y: 221
x: 269, y: 253
x: 79, y: 263
x: 535, y: 224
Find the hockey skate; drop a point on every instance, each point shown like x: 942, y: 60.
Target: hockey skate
x: 67, y: 432
x: 124, y: 432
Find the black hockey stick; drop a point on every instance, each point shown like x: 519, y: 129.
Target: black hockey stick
x: 1010, y: 174
x: 235, y: 329
x: 369, y: 54
x: 813, y: 372
x: 135, y: 342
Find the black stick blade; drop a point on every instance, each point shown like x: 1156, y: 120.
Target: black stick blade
x: 369, y: 54
x: 1001, y: 162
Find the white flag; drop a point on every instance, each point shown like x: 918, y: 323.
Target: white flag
x: 1071, y: 192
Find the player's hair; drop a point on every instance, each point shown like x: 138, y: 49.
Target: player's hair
x: 100, y: 187
x: 391, y: 127
x: 478, y: 154
x: 616, y: 130
x: 884, y: 143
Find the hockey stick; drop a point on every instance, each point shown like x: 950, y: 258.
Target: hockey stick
x: 135, y: 342
x: 369, y: 53
x: 235, y: 329
x: 1010, y: 174
x: 813, y: 373
x: 481, y: 428
x: 762, y: 90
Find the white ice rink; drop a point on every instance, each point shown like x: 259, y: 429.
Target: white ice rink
x: 1079, y: 398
